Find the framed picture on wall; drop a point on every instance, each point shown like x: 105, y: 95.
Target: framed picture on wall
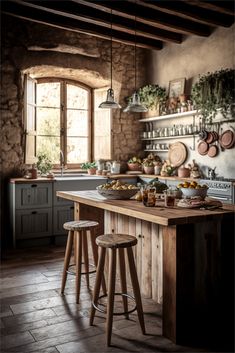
x: 176, y: 87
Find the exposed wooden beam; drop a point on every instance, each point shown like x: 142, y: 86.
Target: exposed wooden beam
x: 149, y: 16
x: 225, y: 6
x: 86, y: 13
x: 187, y: 11
x: 55, y: 20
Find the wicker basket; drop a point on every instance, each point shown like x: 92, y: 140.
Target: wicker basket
x: 117, y: 194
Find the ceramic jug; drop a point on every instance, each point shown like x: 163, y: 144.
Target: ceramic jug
x: 115, y: 167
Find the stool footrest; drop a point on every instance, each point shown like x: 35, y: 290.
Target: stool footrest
x: 82, y: 273
x: 122, y: 313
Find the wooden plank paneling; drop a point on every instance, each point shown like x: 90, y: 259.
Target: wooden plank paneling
x: 146, y: 278
x: 156, y: 237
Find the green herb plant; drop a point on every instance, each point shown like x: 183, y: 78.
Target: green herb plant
x: 88, y: 165
x: 44, y: 164
x: 214, y: 91
x: 152, y: 95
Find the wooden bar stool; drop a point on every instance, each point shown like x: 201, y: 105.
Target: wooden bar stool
x: 77, y: 239
x: 114, y: 242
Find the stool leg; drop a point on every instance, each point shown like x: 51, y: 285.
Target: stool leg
x: 67, y: 257
x: 122, y: 269
x: 99, y: 275
x: 136, y: 288
x: 95, y: 256
x: 85, y: 257
x: 111, y: 291
x: 78, y: 256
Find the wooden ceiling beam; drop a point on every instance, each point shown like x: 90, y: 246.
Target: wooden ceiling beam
x: 55, y: 20
x: 86, y: 13
x: 150, y: 16
x: 225, y: 6
x: 187, y: 11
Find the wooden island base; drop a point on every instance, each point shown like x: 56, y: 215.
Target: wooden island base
x: 184, y: 260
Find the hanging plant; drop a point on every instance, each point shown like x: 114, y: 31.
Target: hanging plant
x: 214, y: 91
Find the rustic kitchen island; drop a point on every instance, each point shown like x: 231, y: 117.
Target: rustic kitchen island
x: 184, y: 260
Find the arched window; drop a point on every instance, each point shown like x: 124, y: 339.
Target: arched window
x: 62, y: 119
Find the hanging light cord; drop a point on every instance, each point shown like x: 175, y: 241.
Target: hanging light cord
x: 135, y: 51
x: 111, y: 49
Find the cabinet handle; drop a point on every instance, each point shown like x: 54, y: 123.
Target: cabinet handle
x: 34, y: 212
x: 33, y: 185
x: 72, y: 208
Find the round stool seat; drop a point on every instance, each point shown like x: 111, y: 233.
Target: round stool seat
x: 80, y: 225
x: 114, y: 241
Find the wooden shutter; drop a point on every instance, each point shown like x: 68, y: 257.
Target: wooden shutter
x: 30, y: 120
x: 102, y: 127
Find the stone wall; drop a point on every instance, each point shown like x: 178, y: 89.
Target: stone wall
x: 47, y: 51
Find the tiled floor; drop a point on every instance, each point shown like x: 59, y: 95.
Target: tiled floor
x: 36, y: 318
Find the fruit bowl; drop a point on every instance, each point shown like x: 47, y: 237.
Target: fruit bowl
x: 191, y: 192
x: 117, y: 194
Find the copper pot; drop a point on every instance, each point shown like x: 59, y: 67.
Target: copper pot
x: 183, y: 172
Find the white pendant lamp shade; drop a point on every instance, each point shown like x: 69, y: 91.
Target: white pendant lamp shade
x: 110, y: 103
x: 135, y: 105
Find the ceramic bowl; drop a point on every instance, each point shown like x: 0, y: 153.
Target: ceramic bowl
x: 189, y: 192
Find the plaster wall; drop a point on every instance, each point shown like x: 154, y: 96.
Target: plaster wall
x: 197, y: 55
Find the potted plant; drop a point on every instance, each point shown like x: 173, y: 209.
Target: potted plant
x: 44, y: 164
x: 153, y: 97
x: 90, y: 167
x: 214, y: 91
x: 148, y: 166
x: 134, y: 164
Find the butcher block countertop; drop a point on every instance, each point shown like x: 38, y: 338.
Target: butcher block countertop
x: 159, y: 214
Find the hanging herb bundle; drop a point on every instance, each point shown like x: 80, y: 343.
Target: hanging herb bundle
x: 214, y: 91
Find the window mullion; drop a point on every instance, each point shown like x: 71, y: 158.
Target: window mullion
x: 63, y: 121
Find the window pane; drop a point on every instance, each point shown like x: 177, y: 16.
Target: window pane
x: 102, y: 128
x: 48, y: 121
x: 77, y: 97
x: 48, y: 94
x: 77, y: 123
x: 77, y: 150
x: 49, y: 146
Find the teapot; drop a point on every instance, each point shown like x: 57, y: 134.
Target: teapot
x: 114, y: 167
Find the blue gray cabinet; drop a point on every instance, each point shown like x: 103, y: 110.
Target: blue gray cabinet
x: 36, y: 211
x: 31, y: 210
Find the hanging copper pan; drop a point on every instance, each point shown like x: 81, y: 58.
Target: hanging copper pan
x: 210, y: 137
x: 227, y: 139
x: 213, y: 151
x: 202, y: 148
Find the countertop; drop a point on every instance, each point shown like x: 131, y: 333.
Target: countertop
x: 160, y: 214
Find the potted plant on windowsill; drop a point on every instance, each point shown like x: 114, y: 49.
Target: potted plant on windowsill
x: 214, y: 91
x: 90, y: 167
x: 153, y: 97
x: 44, y: 164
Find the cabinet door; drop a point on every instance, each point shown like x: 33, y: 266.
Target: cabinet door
x: 36, y: 195
x: 62, y: 214
x: 33, y: 223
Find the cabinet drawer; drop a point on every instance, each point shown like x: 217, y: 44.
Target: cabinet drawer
x: 33, y: 195
x: 33, y: 223
x: 62, y: 214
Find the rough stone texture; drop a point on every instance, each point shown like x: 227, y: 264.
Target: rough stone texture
x: 38, y: 49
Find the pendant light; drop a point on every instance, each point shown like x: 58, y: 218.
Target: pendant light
x: 135, y: 105
x: 110, y: 103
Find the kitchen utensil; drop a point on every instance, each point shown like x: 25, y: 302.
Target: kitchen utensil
x: 183, y: 172
x: 177, y: 154
x: 202, y: 148
x: 210, y: 137
x: 212, y: 151
x: 227, y: 139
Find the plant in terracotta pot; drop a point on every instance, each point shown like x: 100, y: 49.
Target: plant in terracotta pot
x: 134, y: 164
x: 148, y: 166
x: 153, y: 97
x: 90, y: 167
x: 214, y: 91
